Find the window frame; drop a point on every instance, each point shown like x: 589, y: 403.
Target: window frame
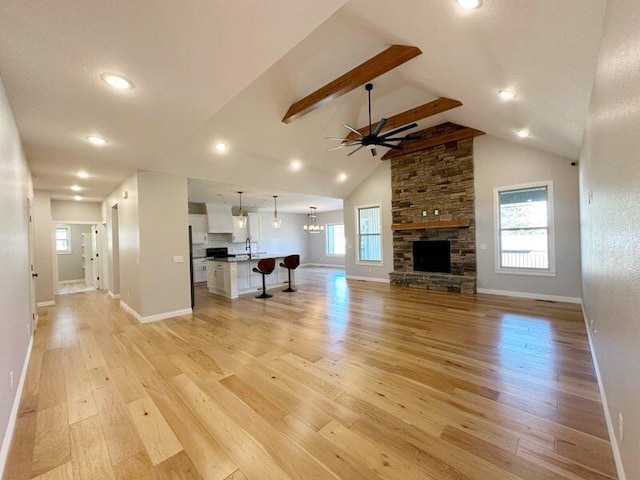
x: 55, y: 239
x: 542, y: 272
x: 326, y: 242
x: 376, y: 263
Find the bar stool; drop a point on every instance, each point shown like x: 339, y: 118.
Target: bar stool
x: 290, y: 263
x: 265, y: 267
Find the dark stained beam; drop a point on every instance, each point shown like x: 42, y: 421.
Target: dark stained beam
x: 412, y: 115
x: 392, y: 57
x: 412, y: 146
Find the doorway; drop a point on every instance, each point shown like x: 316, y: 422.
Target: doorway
x: 75, y: 258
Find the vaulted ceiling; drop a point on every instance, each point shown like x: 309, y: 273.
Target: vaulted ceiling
x: 207, y: 71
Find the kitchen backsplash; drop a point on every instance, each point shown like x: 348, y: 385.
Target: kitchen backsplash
x: 214, y: 240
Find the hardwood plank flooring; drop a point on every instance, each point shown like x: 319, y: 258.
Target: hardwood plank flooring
x: 340, y: 380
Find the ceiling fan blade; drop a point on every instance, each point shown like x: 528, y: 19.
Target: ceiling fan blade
x: 398, y: 130
x: 344, y: 145
x: 337, y: 138
x: 349, y: 154
x: 353, y: 130
x: 389, y: 145
x: 379, y: 126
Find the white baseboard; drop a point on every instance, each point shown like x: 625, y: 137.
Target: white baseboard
x: 48, y: 303
x: 369, y: 279
x: 66, y: 282
x: 13, y: 416
x: 113, y: 295
x: 326, y: 265
x: 610, y: 428
x: 535, y: 296
x: 154, y: 318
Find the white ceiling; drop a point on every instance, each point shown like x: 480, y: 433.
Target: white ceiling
x: 225, y: 70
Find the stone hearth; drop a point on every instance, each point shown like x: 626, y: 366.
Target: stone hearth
x: 438, y: 178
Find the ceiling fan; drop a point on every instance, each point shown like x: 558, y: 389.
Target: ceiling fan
x: 374, y: 138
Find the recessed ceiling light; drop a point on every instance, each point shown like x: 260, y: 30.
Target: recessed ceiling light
x: 96, y: 140
x: 295, y: 165
x: 221, y: 147
x: 77, y: 198
x: 76, y: 188
x: 116, y: 81
x: 469, y: 3
x: 342, y: 177
x: 506, y: 94
x: 523, y: 133
x: 83, y: 174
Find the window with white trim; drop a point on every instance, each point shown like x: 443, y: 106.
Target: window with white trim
x: 63, y: 239
x: 524, y: 229
x: 335, y: 239
x: 368, y: 225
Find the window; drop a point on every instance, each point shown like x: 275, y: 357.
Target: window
x: 63, y: 239
x: 335, y: 239
x: 524, y: 229
x: 369, y: 237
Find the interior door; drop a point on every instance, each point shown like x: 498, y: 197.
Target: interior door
x: 32, y: 273
x: 89, y: 261
x: 95, y: 248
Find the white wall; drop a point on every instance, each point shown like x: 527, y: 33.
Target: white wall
x: 164, y: 233
x: 65, y: 211
x: 288, y: 239
x: 15, y: 302
x: 610, y: 171
x: 376, y: 188
x: 317, y: 242
x: 499, y: 163
x: 43, y: 232
x: 128, y: 241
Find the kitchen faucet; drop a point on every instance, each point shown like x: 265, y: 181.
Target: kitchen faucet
x: 247, y: 246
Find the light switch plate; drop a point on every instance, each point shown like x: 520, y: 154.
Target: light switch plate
x: 178, y: 259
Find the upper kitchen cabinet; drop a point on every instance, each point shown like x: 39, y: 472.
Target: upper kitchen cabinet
x: 219, y: 217
x: 198, y: 228
x: 254, y: 226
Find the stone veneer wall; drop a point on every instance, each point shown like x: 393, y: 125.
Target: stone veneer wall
x: 440, y: 178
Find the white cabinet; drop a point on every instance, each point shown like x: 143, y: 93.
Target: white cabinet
x: 254, y: 227
x: 199, y: 270
x: 244, y: 275
x: 198, y: 228
x: 240, y: 234
x: 219, y: 218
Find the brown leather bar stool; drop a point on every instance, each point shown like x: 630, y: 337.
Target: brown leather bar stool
x: 290, y: 263
x: 265, y: 267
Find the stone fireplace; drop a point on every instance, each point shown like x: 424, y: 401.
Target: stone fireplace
x: 433, y: 212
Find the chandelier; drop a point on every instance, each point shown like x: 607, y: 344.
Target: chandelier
x: 312, y: 226
x: 240, y: 221
x: 275, y: 222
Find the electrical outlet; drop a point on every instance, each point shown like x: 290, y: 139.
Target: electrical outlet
x: 424, y: 213
x: 28, y: 329
x: 436, y: 212
x: 178, y: 259
x: 591, y: 324
x: 620, y: 426
x: 11, y: 380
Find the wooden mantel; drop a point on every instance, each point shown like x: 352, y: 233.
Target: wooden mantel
x: 464, y: 223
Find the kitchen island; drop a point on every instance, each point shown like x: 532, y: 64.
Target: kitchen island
x: 234, y: 276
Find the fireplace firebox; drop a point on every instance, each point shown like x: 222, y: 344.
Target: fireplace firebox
x: 432, y: 256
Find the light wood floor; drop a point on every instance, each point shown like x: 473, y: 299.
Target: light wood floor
x: 343, y: 379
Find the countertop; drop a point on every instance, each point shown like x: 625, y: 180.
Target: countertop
x: 243, y: 258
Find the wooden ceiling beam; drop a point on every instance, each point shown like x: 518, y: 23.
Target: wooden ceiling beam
x: 389, y: 59
x: 417, y: 145
x: 440, y: 105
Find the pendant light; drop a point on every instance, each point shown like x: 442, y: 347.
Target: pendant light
x: 312, y: 226
x: 276, y: 222
x: 240, y: 221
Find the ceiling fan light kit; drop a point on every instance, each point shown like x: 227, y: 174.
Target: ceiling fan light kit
x: 373, y: 138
